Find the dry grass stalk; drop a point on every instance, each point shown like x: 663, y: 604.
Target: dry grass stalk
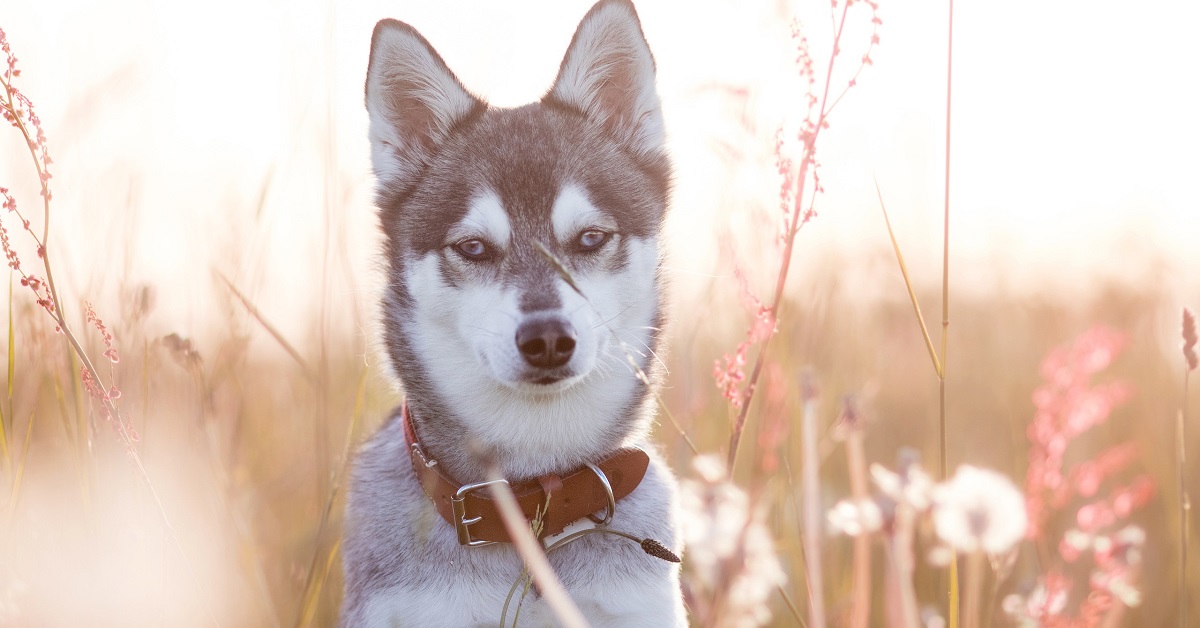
x: 531, y: 553
x: 972, y: 599
x: 18, y: 110
x: 813, y: 516
x: 856, y: 462
x: 1191, y: 361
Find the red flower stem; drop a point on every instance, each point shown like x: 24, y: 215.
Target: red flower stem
x: 810, y: 146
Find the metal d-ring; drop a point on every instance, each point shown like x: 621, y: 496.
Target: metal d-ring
x: 612, y: 501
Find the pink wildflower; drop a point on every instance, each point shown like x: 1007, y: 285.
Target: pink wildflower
x: 1067, y: 405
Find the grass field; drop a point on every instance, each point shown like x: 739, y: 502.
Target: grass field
x: 199, y: 482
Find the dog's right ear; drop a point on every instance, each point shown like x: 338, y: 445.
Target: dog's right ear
x: 413, y: 100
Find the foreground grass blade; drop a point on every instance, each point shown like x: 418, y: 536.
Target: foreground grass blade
x: 275, y: 333
x: 20, y: 474
x: 912, y: 295
x: 11, y: 353
x: 316, y: 581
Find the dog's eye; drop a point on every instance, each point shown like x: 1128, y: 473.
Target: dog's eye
x: 592, y: 239
x: 473, y: 249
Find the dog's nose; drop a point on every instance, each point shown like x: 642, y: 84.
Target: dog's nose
x: 546, y: 342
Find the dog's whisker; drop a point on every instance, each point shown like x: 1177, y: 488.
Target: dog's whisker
x: 606, y: 322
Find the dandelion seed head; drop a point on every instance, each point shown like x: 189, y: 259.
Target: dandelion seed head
x: 730, y: 548
x: 979, y: 509
x: 854, y: 518
x: 910, y: 486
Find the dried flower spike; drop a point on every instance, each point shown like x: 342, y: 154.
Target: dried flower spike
x: 658, y: 550
x: 1189, y: 339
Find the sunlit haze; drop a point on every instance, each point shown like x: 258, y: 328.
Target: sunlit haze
x: 228, y: 138
x: 1073, y: 133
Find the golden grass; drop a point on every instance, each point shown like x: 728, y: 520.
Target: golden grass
x: 224, y: 434
x: 248, y: 445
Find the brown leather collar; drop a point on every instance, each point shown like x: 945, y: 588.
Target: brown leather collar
x: 470, y: 509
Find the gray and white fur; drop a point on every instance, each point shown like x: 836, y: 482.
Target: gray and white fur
x: 500, y: 358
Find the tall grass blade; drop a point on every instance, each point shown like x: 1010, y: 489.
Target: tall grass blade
x: 262, y: 320
x: 787, y: 599
x: 310, y: 601
x: 9, y: 375
x: 532, y: 554
x: 912, y: 294
x: 315, y: 581
x: 1185, y: 507
x: 953, y: 614
x: 20, y: 473
x: 813, y: 516
x: 12, y: 346
x: 4, y: 442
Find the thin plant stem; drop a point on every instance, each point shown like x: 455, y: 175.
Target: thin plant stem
x: 810, y: 482
x: 975, y: 572
x: 271, y: 329
x: 787, y: 599
x: 899, y: 551
x: 785, y: 258
x: 73, y: 345
x: 952, y: 615
x: 532, y: 555
x: 315, y: 580
x: 1185, y: 507
x: 15, y: 493
x: 787, y: 467
x: 856, y: 460
x: 4, y: 426
x: 912, y: 293
x: 1190, y: 362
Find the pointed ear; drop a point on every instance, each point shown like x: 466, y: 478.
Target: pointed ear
x: 608, y: 74
x: 413, y: 100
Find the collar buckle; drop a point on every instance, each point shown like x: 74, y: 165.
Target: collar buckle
x: 462, y: 525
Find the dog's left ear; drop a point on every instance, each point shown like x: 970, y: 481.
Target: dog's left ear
x: 608, y: 75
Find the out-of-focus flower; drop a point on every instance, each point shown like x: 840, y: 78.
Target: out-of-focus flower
x: 931, y: 618
x: 853, y: 518
x: 1116, y: 557
x: 910, y: 485
x: 1047, y: 600
x: 979, y: 509
x: 1066, y: 406
x: 730, y: 551
x: 908, y: 488
x: 851, y: 420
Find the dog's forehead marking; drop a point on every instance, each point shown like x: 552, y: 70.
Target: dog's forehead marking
x: 485, y: 217
x: 572, y: 210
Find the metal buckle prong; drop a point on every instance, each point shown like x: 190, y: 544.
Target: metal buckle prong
x: 461, y: 523
x: 612, y: 502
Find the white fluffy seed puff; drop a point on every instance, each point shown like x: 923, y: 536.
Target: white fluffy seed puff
x: 979, y: 509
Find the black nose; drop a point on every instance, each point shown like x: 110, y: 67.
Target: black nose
x: 546, y: 342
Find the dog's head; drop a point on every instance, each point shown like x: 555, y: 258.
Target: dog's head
x: 522, y: 243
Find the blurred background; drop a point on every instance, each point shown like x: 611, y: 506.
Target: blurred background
x: 213, y: 200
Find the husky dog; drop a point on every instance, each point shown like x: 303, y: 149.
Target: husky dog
x: 522, y: 316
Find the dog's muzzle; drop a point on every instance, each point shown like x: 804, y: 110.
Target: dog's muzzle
x: 546, y: 341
